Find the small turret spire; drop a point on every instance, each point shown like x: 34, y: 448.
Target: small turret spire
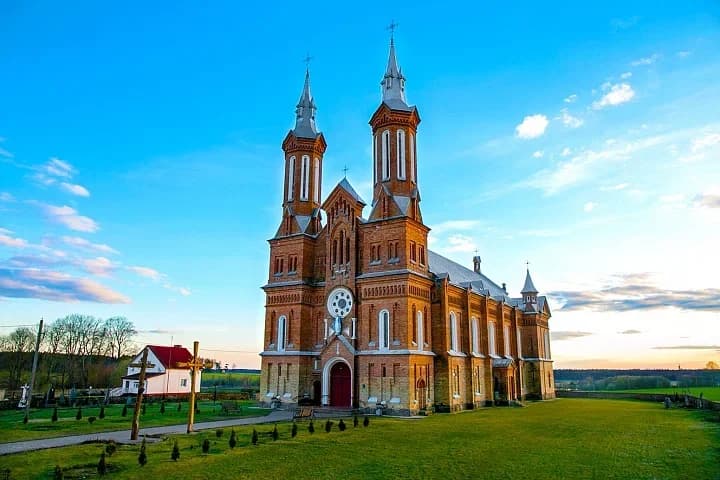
x: 529, y: 287
x: 305, y: 112
x: 393, y: 82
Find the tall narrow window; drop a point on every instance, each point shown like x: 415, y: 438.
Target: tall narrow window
x: 384, y: 330
x: 291, y: 179
x: 281, y: 333
x: 316, y: 180
x: 386, y: 155
x: 491, y: 338
x: 506, y: 338
x: 474, y: 332
x: 341, y: 255
x: 347, y: 250
x: 305, y: 178
x: 412, y: 157
x: 374, y: 157
x: 546, y: 336
x: 401, y: 154
x: 413, y: 319
x: 519, y: 342
x: 420, y: 328
x: 453, y: 332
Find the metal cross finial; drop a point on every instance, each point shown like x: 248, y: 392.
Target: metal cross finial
x: 392, y: 28
x: 345, y: 170
x: 527, y: 262
x: 307, y: 61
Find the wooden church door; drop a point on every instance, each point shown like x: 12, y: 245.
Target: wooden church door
x: 340, y: 385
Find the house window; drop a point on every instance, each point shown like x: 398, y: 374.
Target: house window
x: 401, y: 154
x: 282, y: 321
x: 127, y: 384
x: 491, y: 338
x: 384, y: 330
x: 386, y: 155
x: 453, y: 332
x: 474, y: 332
x: 291, y: 179
x: 136, y: 385
x: 183, y: 382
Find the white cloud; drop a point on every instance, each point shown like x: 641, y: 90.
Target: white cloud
x: 626, y: 75
x: 683, y: 53
x: 3, y: 152
x: 566, y: 151
x: 704, y: 142
x: 646, y: 60
x: 185, y: 292
x: 6, y: 197
x: 87, y: 245
x: 7, y: 240
x: 570, y: 121
x: 69, y: 217
x: 532, y: 126
x: 75, y: 189
x: 147, y: 272
x: 58, y: 168
x: 614, y: 188
x: 589, y: 207
x: 538, y: 154
x: 460, y: 243
x: 571, y: 98
x: 709, y: 199
x: 98, y: 266
x: 617, y: 95
x: 450, y: 225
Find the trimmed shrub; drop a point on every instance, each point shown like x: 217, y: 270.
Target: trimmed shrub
x: 328, y: 426
x: 58, y: 473
x: 311, y: 427
x: 124, y: 411
x: 341, y: 425
x: 54, y: 415
x: 101, y: 415
x: 179, y: 408
x: 91, y: 420
x: 355, y: 421
x: 366, y: 421
x: 175, y: 452
x: 219, y: 432
x: 78, y: 415
x: 144, y: 408
x: 206, y: 446
x: 26, y: 419
x: 293, y: 431
x: 162, y: 407
x: 233, y: 439
x: 102, y: 466
x: 275, y: 433
x: 254, y: 438
x: 142, y: 458
x: 111, y: 448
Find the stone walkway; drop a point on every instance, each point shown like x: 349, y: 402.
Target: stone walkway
x: 123, y: 436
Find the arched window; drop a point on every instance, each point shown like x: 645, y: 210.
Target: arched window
x: 291, y: 179
x: 412, y: 157
x: 305, y: 178
x: 384, y: 330
x: 347, y: 250
x: 342, y: 247
x: 386, y: 155
x: 474, y: 332
x: 374, y: 157
x: 491, y: 338
x: 420, y: 328
x: 519, y: 342
x: 506, y: 338
x: 453, y: 332
x: 316, y: 180
x: 413, y: 319
x: 401, y: 154
x: 281, y: 335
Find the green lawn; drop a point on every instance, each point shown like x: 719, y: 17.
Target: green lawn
x: 566, y: 438
x: 12, y: 428
x: 709, y: 393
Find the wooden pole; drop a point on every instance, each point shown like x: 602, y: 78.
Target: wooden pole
x: 141, y: 389
x: 34, y: 368
x: 193, y: 377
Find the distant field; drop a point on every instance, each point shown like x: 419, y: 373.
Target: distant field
x: 709, y: 393
x: 566, y: 438
x: 12, y: 428
x: 230, y: 381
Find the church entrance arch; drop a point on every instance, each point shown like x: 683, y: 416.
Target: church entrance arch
x: 421, y: 394
x: 337, y: 383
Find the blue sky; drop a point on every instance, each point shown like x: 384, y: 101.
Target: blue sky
x: 141, y: 169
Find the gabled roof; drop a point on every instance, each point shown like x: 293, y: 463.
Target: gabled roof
x: 462, y: 276
x: 171, y: 356
x: 344, y: 184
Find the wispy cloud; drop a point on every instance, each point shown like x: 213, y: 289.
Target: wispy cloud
x: 683, y: 53
x: 615, y: 188
x: 616, y: 95
x: 84, y: 244
x: 569, y: 120
x: 75, y: 189
x: 6, y: 197
x: 538, y: 154
x: 3, y: 152
x: 69, y: 217
x: 98, y: 266
x: 589, y: 207
x: 708, y: 200
x: 571, y: 98
x: 687, y: 347
x: 452, y: 225
x: 624, y: 23
x: 7, y: 240
x: 568, y: 335
x: 646, y: 60
x: 630, y: 332
x: 146, y: 272
x: 54, y: 286
x: 532, y: 126
x: 626, y: 75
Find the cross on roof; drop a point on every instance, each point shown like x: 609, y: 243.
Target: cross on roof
x: 527, y: 262
x: 307, y: 60
x: 345, y: 170
x: 392, y: 27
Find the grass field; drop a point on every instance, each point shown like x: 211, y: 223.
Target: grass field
x: 12, y: 428
x: 709, y: 393
x: 567, y: 438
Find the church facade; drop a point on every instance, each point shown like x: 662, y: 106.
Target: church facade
x: 359, y: 313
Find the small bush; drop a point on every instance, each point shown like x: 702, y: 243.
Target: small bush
x: 366, y: 421
x: 275, y: 433
x: 328, y: 426
x: 179, y: 407
x: 311, y: 427
x: 26, y: 419
x: 219, y: 432
x: 293, y: 432
x: 101, y: 415
x: 54, y: 415
x: 91, y: 420
x: 110, y: 448
x: 254, y: 438
x: 144, y: 408
x: 233, y: 439
x: 175, y: 452
x: 142, y: 458
x: 58, y: 473
x: 124, y: 412
x: 162, y: 407
x: 102, y: 466
x: 206, y: 446
x: 78, y: 415
x: 341, y: 425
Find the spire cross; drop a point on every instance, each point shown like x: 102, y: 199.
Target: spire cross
x: 392, y: 28
x: 527, y: 262
x: 345, y: 170
x: 307, y: 61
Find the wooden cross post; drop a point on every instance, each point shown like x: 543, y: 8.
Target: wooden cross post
x: 141, y: 389
x: 195, y: 365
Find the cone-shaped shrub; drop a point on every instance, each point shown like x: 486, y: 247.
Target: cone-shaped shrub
x: 175, y: 452
x: 311, y: 427
x: 293, y: 432
x: 78, y: 415
x: 275, y: 433
x: 110, y: 448
x: 219, y: 432
x: 179, y: 406
x: 162, y: 407
x: 124, y: 411
x: 206, y: 446
x: 58, y: 473
x: 142, y: 458
x: 54, y: 416
x: 144, y: 408
x: 101, y: 415
x: 233, y: 439
x: 328, y: 426
x: 341, y: 425
x: 254, y: 438
x: 102, y: 466
x: 26, y: 418
x: 366, y: 421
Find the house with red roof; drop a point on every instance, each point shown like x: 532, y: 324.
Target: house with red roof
x: 167, y: 372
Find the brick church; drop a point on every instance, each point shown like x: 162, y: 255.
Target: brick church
x: 359, y: 313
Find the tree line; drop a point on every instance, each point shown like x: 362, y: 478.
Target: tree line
x: 75, y: 351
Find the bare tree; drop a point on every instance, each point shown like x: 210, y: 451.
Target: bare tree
x: 19, y: 343
x: 120, y: 332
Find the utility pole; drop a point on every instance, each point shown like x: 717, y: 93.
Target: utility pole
x: 141, y: 389
x: 34, y: 368
x: 195, y: 365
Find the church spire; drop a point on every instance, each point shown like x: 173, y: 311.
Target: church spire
x: 393, y: 82
x: 305, y: 112
x: 529, y: 286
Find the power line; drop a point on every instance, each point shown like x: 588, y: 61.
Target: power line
x: 19, y: 325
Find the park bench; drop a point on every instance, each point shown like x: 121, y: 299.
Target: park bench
x: 230, y: 408
x: 304, y: 412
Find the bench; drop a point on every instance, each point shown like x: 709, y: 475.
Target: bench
x: 230, y: 407
x: 304, y: 412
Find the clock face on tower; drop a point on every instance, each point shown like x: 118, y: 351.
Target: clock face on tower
x: 340, y: 302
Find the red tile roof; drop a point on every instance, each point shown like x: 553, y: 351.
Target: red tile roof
x: 171, y: 356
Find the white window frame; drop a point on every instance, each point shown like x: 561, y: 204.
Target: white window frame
x: 506, y: 338
x: 384, y: 330
x: 305, y: 178
x: 316, y: 180
x: 385, y: 155
x: 518, y: 341
x: 400, y: 154
x: 491, y: 338
x: 420, y: 329
x: 474, y: 334
x: 183, y: 382
x: 291, y: 179
x: 281, y: 333
x: 412, y: 157
x: 453, y: 332
x: 374, y: 157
